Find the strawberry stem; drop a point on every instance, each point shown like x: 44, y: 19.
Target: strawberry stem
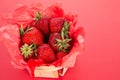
x: 35, y: 49
x: 62, y: 34
x: 65, y: 30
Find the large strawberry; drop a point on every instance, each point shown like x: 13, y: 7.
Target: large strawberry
x: 43, y: 25
x: 52, y: 40
x: 56, y: 24
x: 46, y: 53
x: 31, y: 35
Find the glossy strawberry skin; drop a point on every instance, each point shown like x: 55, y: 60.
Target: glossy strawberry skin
x: 56, y: 24
x: 61, y: 54
x: 43, y: 25
x: 33, y: 36
x: 46, y: 53
x: 30, y: 56
x: 52, y: 40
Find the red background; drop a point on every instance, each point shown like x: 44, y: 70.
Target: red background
x: 101, y: 58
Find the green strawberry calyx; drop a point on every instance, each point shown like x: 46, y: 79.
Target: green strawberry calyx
x: 26, y: 50
x: 63, y: 43
x: 22, y: 31
x: 38, y: 16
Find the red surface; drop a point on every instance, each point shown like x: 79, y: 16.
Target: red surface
x: 101, y: 58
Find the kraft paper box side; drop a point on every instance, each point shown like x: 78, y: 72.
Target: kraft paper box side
x: 45, y: 71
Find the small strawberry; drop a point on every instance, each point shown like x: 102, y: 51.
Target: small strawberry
x: 46, y: 53
x: 61, y: 54
x: 56, y: 24
x: 27, y: 51
x: 31, y: 35
x: 52, y: 40
x: 43, y: 25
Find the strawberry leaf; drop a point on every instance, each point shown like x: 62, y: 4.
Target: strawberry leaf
x: 28, y: 29
x: 37, y: 16
x: 21, y: 31
x: 63, y: 44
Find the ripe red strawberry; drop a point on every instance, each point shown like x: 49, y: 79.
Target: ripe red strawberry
x: 46, y: 53
x: 61, y: 54
x: 27, y: 51
x: 43, y: 25
x: 56, y: 24
x: 32, y: 35
x: 52, y: 40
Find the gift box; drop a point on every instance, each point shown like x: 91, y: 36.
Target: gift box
x: 23, y: 15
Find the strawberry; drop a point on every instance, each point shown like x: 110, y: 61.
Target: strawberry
x: 27, y: 51
x: 46, y: 53
x: 64, y: 43
x: 52, y: 40
x: 61, y: 54
x: 60, y: 41
x: 56, y: 24
x: 31, y: 35
x: 43, y: 25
